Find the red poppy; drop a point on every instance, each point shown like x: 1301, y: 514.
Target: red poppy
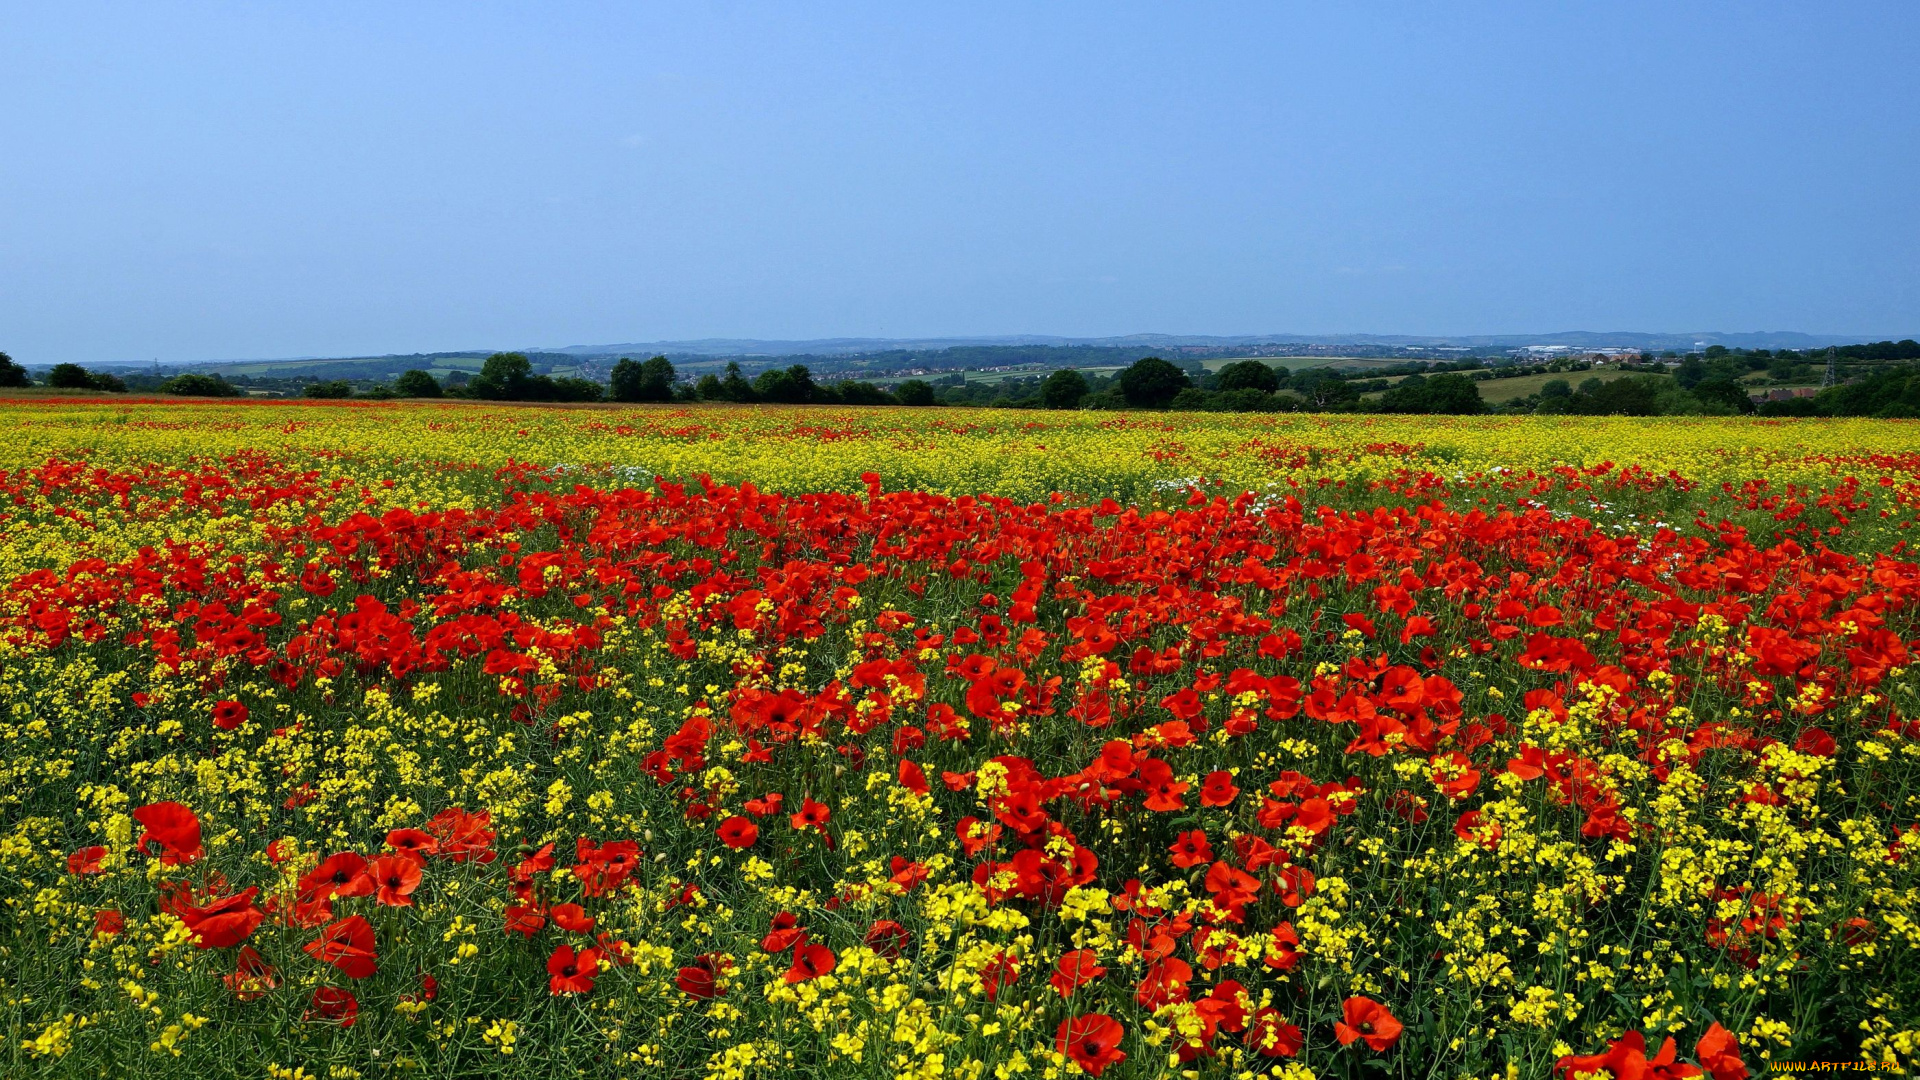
x: 1092, y: 1041
x: 88, y: 860
x: 812, y: 815
x: 225, y: 922
x: 572, y: 973
x: 782, y: 933
x: 333, y: 1003
x: 1719, y: 1054
x: 252, y: 976
x: 228, y: 715
x: 1366, y: 1019
x: 1271, y: 1035
x: 1075, y: 969
x: 174, y: 828
x: 108, y: 922
x: 1218, y: 789
x: 700, y: 980
x: 1627, y: 1057
x: 339, y: 876
x: 416, y: 844
x: 395, y: 877
x: 524, y: 919
x: 348, y: 945
x: 738, y: 833
x: 810, y: 962
x: 887, y: 938
x: 463, y: 836
x: 572, y: 918
x: 766, y: 805
x: 1192, y: 849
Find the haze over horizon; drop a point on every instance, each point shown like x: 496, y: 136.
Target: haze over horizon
x: 211, y: 181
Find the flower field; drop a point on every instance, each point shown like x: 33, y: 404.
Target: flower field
x: 370, y: 740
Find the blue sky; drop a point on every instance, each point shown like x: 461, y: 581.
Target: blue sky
x: 189, y: 182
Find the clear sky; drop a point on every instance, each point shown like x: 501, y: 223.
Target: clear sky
x: 190, y: 182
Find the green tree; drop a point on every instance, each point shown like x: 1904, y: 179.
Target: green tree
x: 1064, y: 389
x: 12, y: 374
x: 1248, y: 375
x: 1150, y: 383
x: 913, y: 392
x: 337, y: 388
x: 651, y: 380
x: 1556, y: 388
x: 70, y: 377
x: 196, y: 385
x: 734, y: 386
x: 707, y: 387
x: 417, y: 383
x: 1725, y: 392
x: 505, y: 377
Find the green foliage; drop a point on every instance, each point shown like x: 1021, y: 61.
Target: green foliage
x: 913, y: 392
x: 651, y: 380
x: 337, y: 388
x: 1247, y: 375
x: 416, y: 383
x: 12, y: 374
x: 1447, y: 393
x: 567, y: 388
x: 1064, y: 389
x: 196, y: 385
x: 1151, y: 383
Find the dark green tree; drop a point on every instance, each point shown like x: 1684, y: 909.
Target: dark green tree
x: 734, y: 386
x: 913, y: 392
x: 505, y: 377
x: 1064, y: 389
x: 1150, y: 383
x: 336, y: 388
x: 12, y: 374
x: 70, y: 377
x: 1248, y: 375
x: 417, y: 383
x: 196, y: 385
x: 1724, y: 391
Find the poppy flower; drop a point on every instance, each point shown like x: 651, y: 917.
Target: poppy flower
x: 228, y: 715
x: 812, y: 815
x: 339, y: 876
x: 738, y: 833
x: 462, y: 836
x: 348, y: 945
x: 395, y: 877
x: 700, y: 980
x: 108, y: 922
x: 1075, y: 969
x: 1365, y: 1019
x: 252, y: 976
x: 224, y: 923
x: 1091, y: 1040
x: 174, y: 828
x: 905, y: 873
x: 571, y: 972
x: 333, y: 1003
x: 887, y: 938
x: 1192, y: 849
x: 88, y: 860
x: 766, y: 805
x: 783, y: 933
x: 1218, y: 789
x: 416, y: 844
x: 1269, y: 1034
x: 1627, y: 1056
x: 810, y: 962
x: 1719, y: 1054
x: 572, y: 918
x: 524, y: 919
